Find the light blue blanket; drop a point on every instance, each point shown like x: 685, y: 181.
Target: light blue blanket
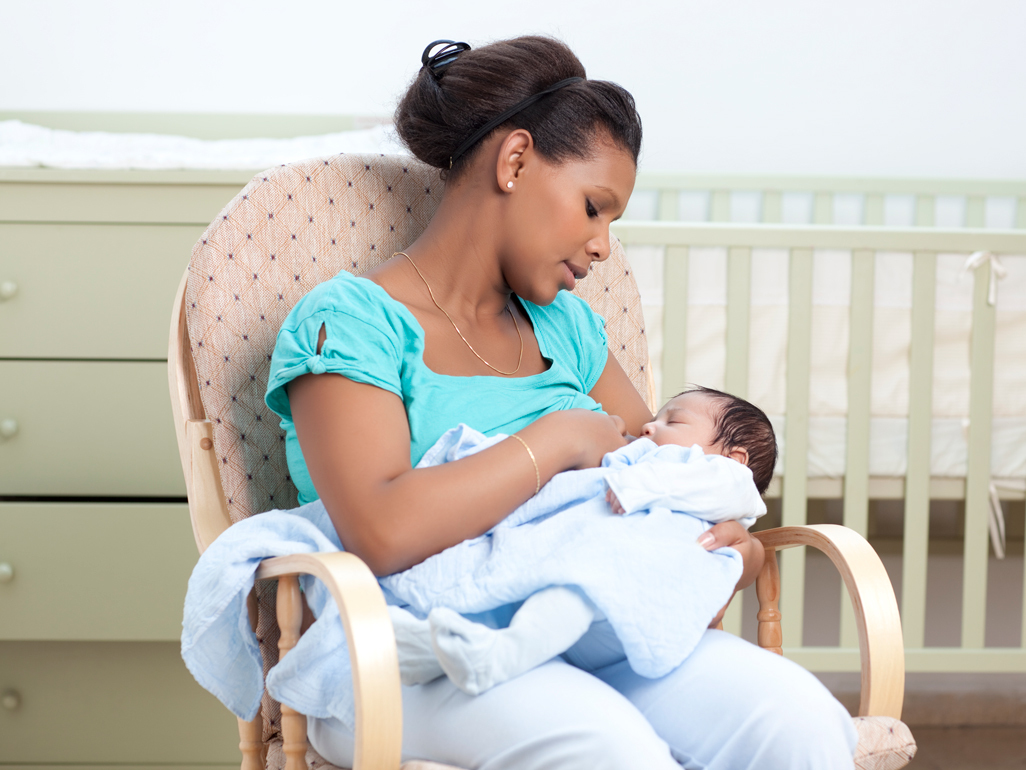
x: 644, y: 571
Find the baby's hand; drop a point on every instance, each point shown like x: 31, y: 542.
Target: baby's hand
x: 614, y: 503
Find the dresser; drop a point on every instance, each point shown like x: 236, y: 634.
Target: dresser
x: 95, y: 541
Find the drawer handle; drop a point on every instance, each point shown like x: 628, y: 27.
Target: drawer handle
x: 8, y: 428
x: 6, y: 572
x: 7, y: 290
x: 11, y: 699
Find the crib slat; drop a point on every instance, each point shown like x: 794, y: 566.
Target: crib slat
x: 773, y: 207
x: 739, y: 299
x: 925, y: 207
x: 739, y: 296
x: 975, y: 211
x: 796, y: 440
x: 675, y: 321
x: 917, y: 479
x: 874, y: 209
x: 977, y: 483
x: 719, y: 206
x: 669, y: 206
x: 823, y: 208
x: 860, y: 365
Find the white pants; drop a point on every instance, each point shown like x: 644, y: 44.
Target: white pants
x: 729, y: 706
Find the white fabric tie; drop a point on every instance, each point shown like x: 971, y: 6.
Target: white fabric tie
x: 997, y: 271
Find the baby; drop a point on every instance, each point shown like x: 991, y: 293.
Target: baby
x: 728, y: 460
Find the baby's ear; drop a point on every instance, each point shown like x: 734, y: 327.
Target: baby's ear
x: 738, y: 453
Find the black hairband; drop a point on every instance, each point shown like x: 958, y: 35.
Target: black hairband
x: 436, y: 64
x: 502, y: 117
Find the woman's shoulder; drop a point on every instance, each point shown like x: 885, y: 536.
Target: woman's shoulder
x: 348, y: 296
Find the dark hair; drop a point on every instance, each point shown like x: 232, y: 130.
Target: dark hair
x: 742, y: 425
x: 437, y: 114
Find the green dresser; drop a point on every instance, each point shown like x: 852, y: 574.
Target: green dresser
x: 95, y: 541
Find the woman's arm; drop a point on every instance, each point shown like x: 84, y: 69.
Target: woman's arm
x: 617, y: 394
x: 356, y: 445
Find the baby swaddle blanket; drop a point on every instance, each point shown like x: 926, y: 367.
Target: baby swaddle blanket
x: 644, y: 570
x: 646, y: 573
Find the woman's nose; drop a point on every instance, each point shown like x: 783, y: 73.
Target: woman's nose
x: 598, y: 247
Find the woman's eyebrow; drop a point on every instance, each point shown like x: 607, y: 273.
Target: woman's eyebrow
x: 612, y: 194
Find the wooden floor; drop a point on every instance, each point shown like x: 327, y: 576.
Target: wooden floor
x: 970, y: 748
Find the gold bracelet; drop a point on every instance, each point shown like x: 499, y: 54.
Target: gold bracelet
x: 537, y: 475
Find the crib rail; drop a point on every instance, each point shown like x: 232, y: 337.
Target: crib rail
x: 857, y: 487
x: 721, y: 193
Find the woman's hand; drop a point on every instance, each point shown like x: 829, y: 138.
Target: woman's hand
x: 590, y: 435
x: 731, y: 534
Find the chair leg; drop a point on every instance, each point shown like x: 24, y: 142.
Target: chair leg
x: 290, y: 618
x: 251, y: 734
x: 767, y: 588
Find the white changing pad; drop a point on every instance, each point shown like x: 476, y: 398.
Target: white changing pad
x: 23, y: 144
x: 706, y: 351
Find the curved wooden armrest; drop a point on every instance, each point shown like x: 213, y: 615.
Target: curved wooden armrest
x: 876, y: 610
x: 372, y: 649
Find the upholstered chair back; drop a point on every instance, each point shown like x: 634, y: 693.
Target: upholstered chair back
x: 291, y: 228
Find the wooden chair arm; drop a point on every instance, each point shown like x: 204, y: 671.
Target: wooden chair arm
x: 372, y: 649
x: 876, y: 610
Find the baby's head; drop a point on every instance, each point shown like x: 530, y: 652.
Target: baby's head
x: 721, y: 424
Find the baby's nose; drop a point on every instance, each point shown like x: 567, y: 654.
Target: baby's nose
x: 648, y: 429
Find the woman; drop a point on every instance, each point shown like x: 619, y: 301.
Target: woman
x: 471, y: 324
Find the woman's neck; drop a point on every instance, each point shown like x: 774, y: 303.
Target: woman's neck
x: 458, y: 253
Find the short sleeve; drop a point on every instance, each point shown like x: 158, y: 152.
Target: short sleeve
x: 361, y: 344
x: 594, y: 345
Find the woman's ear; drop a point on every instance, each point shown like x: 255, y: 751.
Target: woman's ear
x: 513, y: 152
x: 738, y: 453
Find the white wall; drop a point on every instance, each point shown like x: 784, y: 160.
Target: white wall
x: 874, y: 87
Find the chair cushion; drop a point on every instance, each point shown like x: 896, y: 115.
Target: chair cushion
x: 885, y: 743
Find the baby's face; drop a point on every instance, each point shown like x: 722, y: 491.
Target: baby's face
x: 686, y: 420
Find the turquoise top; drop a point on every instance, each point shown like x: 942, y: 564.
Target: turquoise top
x: 374, y: 339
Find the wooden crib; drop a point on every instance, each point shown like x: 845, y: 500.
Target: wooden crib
x: 667, y: 256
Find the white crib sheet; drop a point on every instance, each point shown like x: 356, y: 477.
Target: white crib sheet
x: 23, y: 144
x: 706, y: 351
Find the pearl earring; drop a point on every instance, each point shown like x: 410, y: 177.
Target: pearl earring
x: 509, y: 184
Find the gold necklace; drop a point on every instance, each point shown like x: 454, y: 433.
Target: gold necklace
x: 454, y: 326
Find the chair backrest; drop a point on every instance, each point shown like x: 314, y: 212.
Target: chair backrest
x: 288, y: 230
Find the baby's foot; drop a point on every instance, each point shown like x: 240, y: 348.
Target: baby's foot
x: 468, y: 652
x: 417, y: 661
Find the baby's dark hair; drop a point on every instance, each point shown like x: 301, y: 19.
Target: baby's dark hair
x: 743, y: 425
x: 437, y: 114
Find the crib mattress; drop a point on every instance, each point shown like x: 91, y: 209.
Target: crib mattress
x: 706, y: 351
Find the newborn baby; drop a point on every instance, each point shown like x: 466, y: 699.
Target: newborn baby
x: 721, y: 461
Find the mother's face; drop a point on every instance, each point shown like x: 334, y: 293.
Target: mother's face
x: 558, y: 219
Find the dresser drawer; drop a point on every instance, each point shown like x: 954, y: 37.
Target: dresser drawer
x: 94, y: 572
x: 107, y: 703
x: 88, y: 428
x: 90, y: 291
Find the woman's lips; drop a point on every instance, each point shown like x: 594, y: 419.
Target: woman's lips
x: 571, y: 281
